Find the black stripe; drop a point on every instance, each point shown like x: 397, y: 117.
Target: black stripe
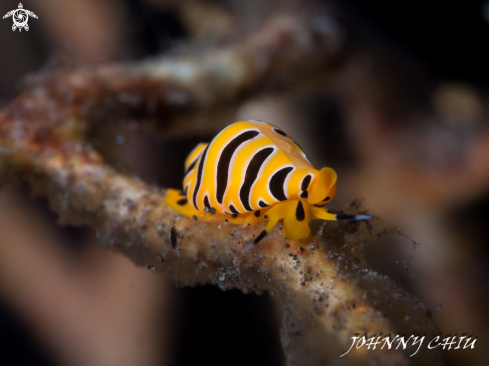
x: 277, y: 183
x: 199, y: 176
x: 206, y: 202
x: 260, y: 237
x: 305, y: 186
x: 305, y: 183
x: 182, y: 202
x: 263, y: 204
x: 341, y: 217
x: 233, y: 209
x: 225, y: 161
x: 191, y: 166
x: 327, y: 198
x: 251, y: 174
x: 280, y: 132
x: 323, y: 204
x: 300, y: 215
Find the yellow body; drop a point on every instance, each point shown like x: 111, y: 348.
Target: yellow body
x: 252, y: 170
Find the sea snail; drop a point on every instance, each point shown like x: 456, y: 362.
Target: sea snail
x: 254, y: 170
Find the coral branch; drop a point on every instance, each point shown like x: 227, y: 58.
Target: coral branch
x: 285, y: 49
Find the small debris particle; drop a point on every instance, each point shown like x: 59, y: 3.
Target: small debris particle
x: 222, y: 277
x: 150, y: 266
x: 310, y: 246
x: 232, y: 234
x: 160, y: 258
x: 226, y: 220
x: 295, y: 257
x: 287, y: 245
x: 236, y: 278
x: 406, y: 318
x: 173, y: 237
x: 439, y: 307
x: 194, y: 217
x: 235, y: 263
x: 303, y: 283
x: 291, y: 254
x: 301, y: 249
x: 262, y: 256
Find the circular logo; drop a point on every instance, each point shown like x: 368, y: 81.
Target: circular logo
x: 20, y: 18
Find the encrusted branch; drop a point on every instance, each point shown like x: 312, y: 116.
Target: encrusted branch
x: 324, y: 283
